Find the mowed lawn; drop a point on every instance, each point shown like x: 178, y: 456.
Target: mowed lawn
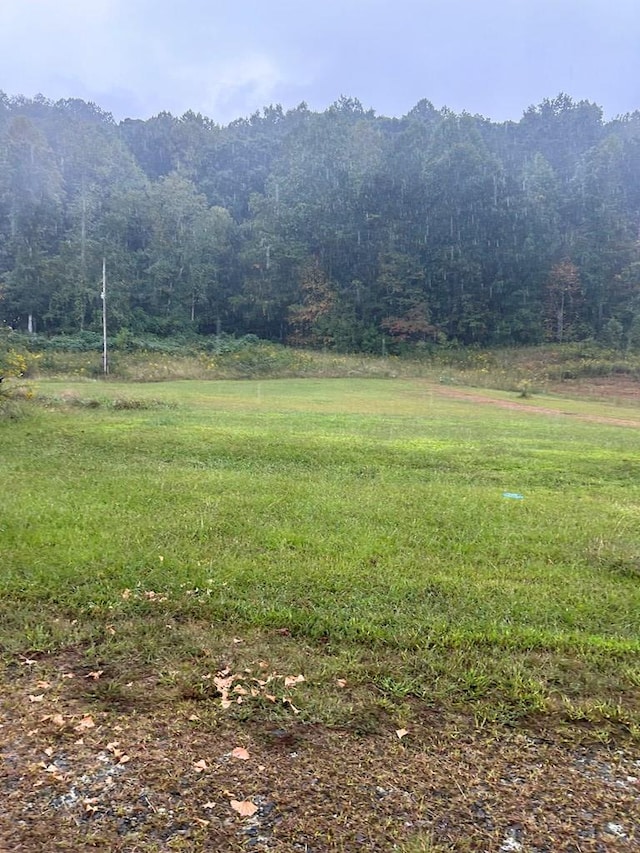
x: 373, y: 522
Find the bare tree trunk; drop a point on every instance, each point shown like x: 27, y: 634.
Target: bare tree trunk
x: 560, y: 326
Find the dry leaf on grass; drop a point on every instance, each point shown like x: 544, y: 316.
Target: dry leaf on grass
x: 120, y: 754
x: 245, y: 808
x: 54, y: 771
x: 89, y: 804
x: 200, y: 765
x: 84, y: 724
x: 401, y: 733
x: 43, y: 685
x: 39, y: 698
x: 291, y: 680
x: 240, y: 753
x: 95, y: 675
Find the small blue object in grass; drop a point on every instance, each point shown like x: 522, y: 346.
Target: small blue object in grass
x: 513, y: 495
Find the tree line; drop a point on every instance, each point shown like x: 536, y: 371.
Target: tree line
x: 339, y: 228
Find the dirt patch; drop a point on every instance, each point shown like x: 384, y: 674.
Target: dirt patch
x: 79, y: 779
x: 609, y: 389
x: 532, y: 408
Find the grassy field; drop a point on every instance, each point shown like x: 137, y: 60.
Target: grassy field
x: 358, y: 531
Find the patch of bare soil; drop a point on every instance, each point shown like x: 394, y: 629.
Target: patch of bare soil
x: 608, y: 389
x: 514, y: 405
x: 181, y: 778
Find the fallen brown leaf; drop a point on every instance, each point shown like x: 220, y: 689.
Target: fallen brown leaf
x: 401, y: 733
x: 245, y: 808
x: 84, y: 724
x: 95, y: 675
x: 54, y: 771
x: 240, y: 753
x: 90, y: 805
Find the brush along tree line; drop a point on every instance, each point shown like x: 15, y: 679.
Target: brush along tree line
x: 338, y: 228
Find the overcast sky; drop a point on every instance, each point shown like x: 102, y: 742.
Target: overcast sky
x: 227, y: 58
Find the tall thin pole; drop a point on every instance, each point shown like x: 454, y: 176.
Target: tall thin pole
x: 105, y: 364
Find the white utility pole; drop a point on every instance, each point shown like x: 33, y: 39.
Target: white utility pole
x: 105, y: 364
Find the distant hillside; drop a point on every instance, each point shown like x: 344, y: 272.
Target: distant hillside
x: 338, y: 229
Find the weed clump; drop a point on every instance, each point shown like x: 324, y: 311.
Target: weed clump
x: 14, y: 392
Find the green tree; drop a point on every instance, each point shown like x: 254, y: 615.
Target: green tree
x: 31, y: 191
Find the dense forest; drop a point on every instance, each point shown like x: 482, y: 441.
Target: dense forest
x: 340, y: 229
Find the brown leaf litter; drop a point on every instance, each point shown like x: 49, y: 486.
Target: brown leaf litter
x: 169, y: 780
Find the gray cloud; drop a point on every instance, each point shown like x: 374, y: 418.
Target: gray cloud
x: 226, y: 59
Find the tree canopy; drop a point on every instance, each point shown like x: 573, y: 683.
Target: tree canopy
x: 338, y: 228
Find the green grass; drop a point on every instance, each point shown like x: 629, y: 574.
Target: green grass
x: 366, y: 517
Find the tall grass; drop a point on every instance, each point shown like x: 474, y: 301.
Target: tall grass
x: 148, y: 359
